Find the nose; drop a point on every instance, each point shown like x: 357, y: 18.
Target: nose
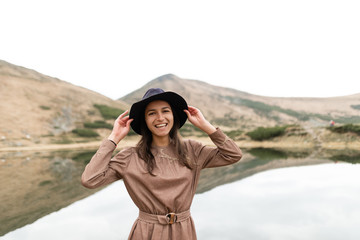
x: 160, y: 117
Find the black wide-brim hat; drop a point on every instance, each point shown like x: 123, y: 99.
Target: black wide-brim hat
x: 177, y: 103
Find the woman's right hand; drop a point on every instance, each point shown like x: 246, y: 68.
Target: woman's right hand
x: 121, y: 128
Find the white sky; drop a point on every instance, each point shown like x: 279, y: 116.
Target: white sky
x: 307, y: 48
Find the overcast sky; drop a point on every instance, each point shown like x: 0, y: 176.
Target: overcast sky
x: 307, y: 48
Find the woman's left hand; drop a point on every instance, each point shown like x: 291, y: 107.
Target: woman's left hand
x: 198, y: 120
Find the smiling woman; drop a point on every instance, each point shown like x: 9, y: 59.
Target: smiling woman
x: 162, y: 172
x: 159, y: 119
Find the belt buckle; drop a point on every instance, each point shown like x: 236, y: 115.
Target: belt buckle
x: 171, y: 217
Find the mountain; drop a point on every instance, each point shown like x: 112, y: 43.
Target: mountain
x: 36, y: 108
x: 233, y: 109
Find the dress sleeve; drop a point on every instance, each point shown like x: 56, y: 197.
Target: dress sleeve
x: 225, y: 153
x: 102, y: 168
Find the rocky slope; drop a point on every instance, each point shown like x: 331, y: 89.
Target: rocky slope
x: 235, y: 109
x: 38, y: 109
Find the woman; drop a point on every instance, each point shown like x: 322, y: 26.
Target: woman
x: 161, y: 173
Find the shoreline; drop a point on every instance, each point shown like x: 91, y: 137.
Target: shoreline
x: 242, y: 144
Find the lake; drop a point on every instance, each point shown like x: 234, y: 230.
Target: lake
x: 270, y: 194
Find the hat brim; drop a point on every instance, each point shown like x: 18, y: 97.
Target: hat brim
x: 178, y: 104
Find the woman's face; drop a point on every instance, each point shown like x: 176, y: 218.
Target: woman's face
x: 159, y: 118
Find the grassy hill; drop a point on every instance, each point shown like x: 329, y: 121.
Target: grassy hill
x: 39, y: 109
x: 233, y: 109
x: 36, y: 108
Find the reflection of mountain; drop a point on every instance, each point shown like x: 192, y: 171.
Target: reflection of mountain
x: 253, y: 162
x: 29, y: 193
x: 53, y: 181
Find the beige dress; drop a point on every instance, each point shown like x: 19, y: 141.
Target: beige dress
x: 172, y: 188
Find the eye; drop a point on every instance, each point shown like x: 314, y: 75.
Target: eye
x: 151, y: 113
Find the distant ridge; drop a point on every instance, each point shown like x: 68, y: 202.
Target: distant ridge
x: 39, y: 109
x: 36, y: 108
x: 11, y: 70
x: 231, y: 108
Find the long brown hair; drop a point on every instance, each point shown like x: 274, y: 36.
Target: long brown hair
x: 143, y: 147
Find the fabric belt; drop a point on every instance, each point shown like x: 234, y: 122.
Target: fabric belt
x: 166, y: 219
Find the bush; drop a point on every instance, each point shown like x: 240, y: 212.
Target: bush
x: 262, y: 133
x: 108, y: 112
x: 84, y: 157
x: 234, y: 133
x: 82, y: 132
x: 346, y: 158
x: 45, y: 107
x: 267, y: 153
x: 346, y: 128
x: 357, y: 107
x: 98, y: 124
x: 190, y: 130
x: 43, y: 183
x: 266, y: 109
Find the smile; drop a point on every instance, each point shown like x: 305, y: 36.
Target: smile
x: 161, y: 125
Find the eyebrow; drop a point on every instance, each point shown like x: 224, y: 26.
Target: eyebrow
x: 155, y: 109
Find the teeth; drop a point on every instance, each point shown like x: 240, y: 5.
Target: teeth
x: 161, y: 125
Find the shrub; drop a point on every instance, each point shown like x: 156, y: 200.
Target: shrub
x: 190, y: 130
x: 346, y: 128
x: 268, y: 153
x: 234, y: 133
x: 82, y: 132
x: 262, y: 133
x: 108, y: 112
x: 45, y: 107
x: 84, y: 157
x: 43, y: 183
x: 98, y: 124
x: 357, y: 107
x: 346, y: 158
x: 266, y: 109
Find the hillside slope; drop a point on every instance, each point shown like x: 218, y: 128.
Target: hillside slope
x: 235, y: 109
x: 35, y: 107
x: 38, y: 109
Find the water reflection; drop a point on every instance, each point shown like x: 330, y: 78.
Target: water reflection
x: 312, y: 202
x: 349, y: 156
x: 277, y: 204
x: 34, y: 185
x: 254, y: 161
x: 272, y: 154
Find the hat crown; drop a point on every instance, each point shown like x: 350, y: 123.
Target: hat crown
x: 151, y: 92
